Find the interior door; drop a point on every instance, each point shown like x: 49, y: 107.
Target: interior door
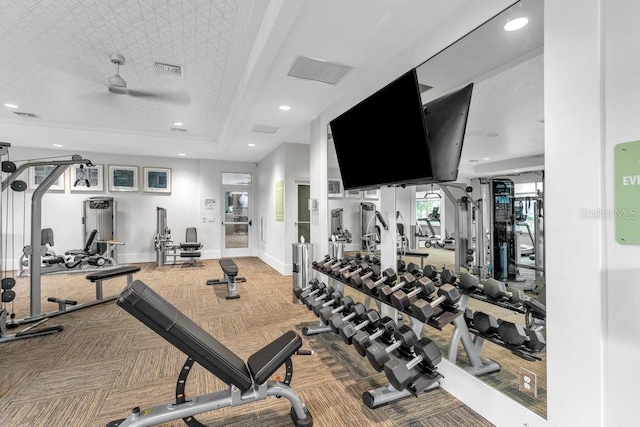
x: 236, y: 223
x: 304, y: 214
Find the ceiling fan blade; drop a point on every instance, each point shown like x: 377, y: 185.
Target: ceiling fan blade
x: 175, y: 97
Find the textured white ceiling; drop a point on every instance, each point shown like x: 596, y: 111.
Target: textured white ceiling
x: 56, y: 61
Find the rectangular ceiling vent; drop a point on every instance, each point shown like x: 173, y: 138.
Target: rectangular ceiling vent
x: 182, y: 130
x: 265, y: 129
x: 172, y: 70
x: 318, y: 70
x: 27, y: 115
x: 424, y: 88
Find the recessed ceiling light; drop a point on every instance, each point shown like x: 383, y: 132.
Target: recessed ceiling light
x: 178, y: 123
x: 57, y: 145
x: 251, y: 145
x: 485, y: 158
x: 11, y: 105
x: 515, y: 24
x: 181, y: 154
x: 285, y: 108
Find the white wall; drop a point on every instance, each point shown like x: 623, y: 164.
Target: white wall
x: 192, y: 182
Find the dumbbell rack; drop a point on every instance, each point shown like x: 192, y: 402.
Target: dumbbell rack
x: 473, y: 347
x: 387, y: 394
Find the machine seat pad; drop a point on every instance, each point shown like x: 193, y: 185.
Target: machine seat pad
x: 54, y: 260
x: 229, y: 267
x: 190, y: 254
x: 147, y: 306
x: 263, y: 363
x: 112, y: 272
x: 189, y: 245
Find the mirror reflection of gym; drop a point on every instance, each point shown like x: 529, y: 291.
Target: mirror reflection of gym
x: 458, y: 226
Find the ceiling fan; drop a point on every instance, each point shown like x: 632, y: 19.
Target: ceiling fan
x: 118, y: 85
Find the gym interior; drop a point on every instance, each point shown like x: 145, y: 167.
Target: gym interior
x: 160, y: 216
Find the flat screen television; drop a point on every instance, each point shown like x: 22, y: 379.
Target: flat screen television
x: 383, y: 139
x: 446, y: 119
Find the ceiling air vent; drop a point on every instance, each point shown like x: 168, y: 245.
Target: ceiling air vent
x: 182, y: 130
x: 172, y: 70
x: 318, y: 70
x: 265, y: 129
x: 27, y: 115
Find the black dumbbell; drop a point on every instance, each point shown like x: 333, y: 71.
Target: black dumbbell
x: 446, y: 275
x: 404, y: 337
x: 337, y: 271
x: 485, y: 323
x: 321, y: 262
x: 470, y: 283
x: 414, y: 269
x: 328, y: 267
x: 422, y: 287
x: 312, y: 283
x: 345, y: 275
x: 356, y: 279
x: 318, y: 304
x: 337, y: 320
x: 385, y: 291
x: 515, y: 334
x: 362, y: 340
x: 423, y: 309
x: 400, y: 373
x: 370, y: 287
x: 325, y: 292
x: 314, y: 290
x: 498, y: 290
x: 326, y: 313
x: 349, y: 329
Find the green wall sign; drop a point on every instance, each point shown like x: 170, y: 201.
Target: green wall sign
x: 627, y: 213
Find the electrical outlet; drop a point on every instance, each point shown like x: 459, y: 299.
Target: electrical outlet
x: 528, y: 383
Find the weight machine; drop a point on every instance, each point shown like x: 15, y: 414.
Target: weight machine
x: 37, y: 249
x: 337, y: 230
x: 166, y: 248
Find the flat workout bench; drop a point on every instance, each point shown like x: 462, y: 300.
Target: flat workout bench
x: 231, y: 278
x: 248, y: 382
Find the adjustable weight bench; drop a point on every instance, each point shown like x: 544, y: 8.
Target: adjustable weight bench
x: 231, y: 278
x: 248, y: 382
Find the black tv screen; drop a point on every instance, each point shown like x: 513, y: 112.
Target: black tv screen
x: 383, y: 139
x: 446, y: 119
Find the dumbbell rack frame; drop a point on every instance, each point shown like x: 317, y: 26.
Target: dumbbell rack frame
x: 387, y: 394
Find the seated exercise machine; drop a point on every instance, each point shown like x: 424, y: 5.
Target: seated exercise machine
x: 166, y: 248
x: 248, y: 382
x: 230, y: 270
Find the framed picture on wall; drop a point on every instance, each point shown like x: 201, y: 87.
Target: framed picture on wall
x: 37, y: 175
x: 355, y: 194
x: 371, y: 194
x: 86, y: 178
x: 123, y: 178
x: 335, y: 187
x: 157, y: 180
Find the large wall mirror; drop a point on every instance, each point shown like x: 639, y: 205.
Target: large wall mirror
x: 504, y: 143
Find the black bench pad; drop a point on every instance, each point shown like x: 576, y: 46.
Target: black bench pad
x: 187, y: 245
x: 229, y: 267
x: 112, y: 272
x: 172, y: 325
x: 264, y: 362
x: 190, y: 254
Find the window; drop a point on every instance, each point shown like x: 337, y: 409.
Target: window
x: 238, y: 179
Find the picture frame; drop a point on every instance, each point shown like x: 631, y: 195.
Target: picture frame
x: 353, y: 194
x: 157, y: 180
x: 37, y: 175
x: 334, y: 187
x: 371, y: 194
x: 93, y: 174
x: 123, y: 178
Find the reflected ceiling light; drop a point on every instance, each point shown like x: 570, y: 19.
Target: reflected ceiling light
x: 181, y: 154
x: 285, y: 108
x: 178, y: 123
x: 251, y: 145
x: 11, y: 105
x: 515, y: 24
x: 57, y: 145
